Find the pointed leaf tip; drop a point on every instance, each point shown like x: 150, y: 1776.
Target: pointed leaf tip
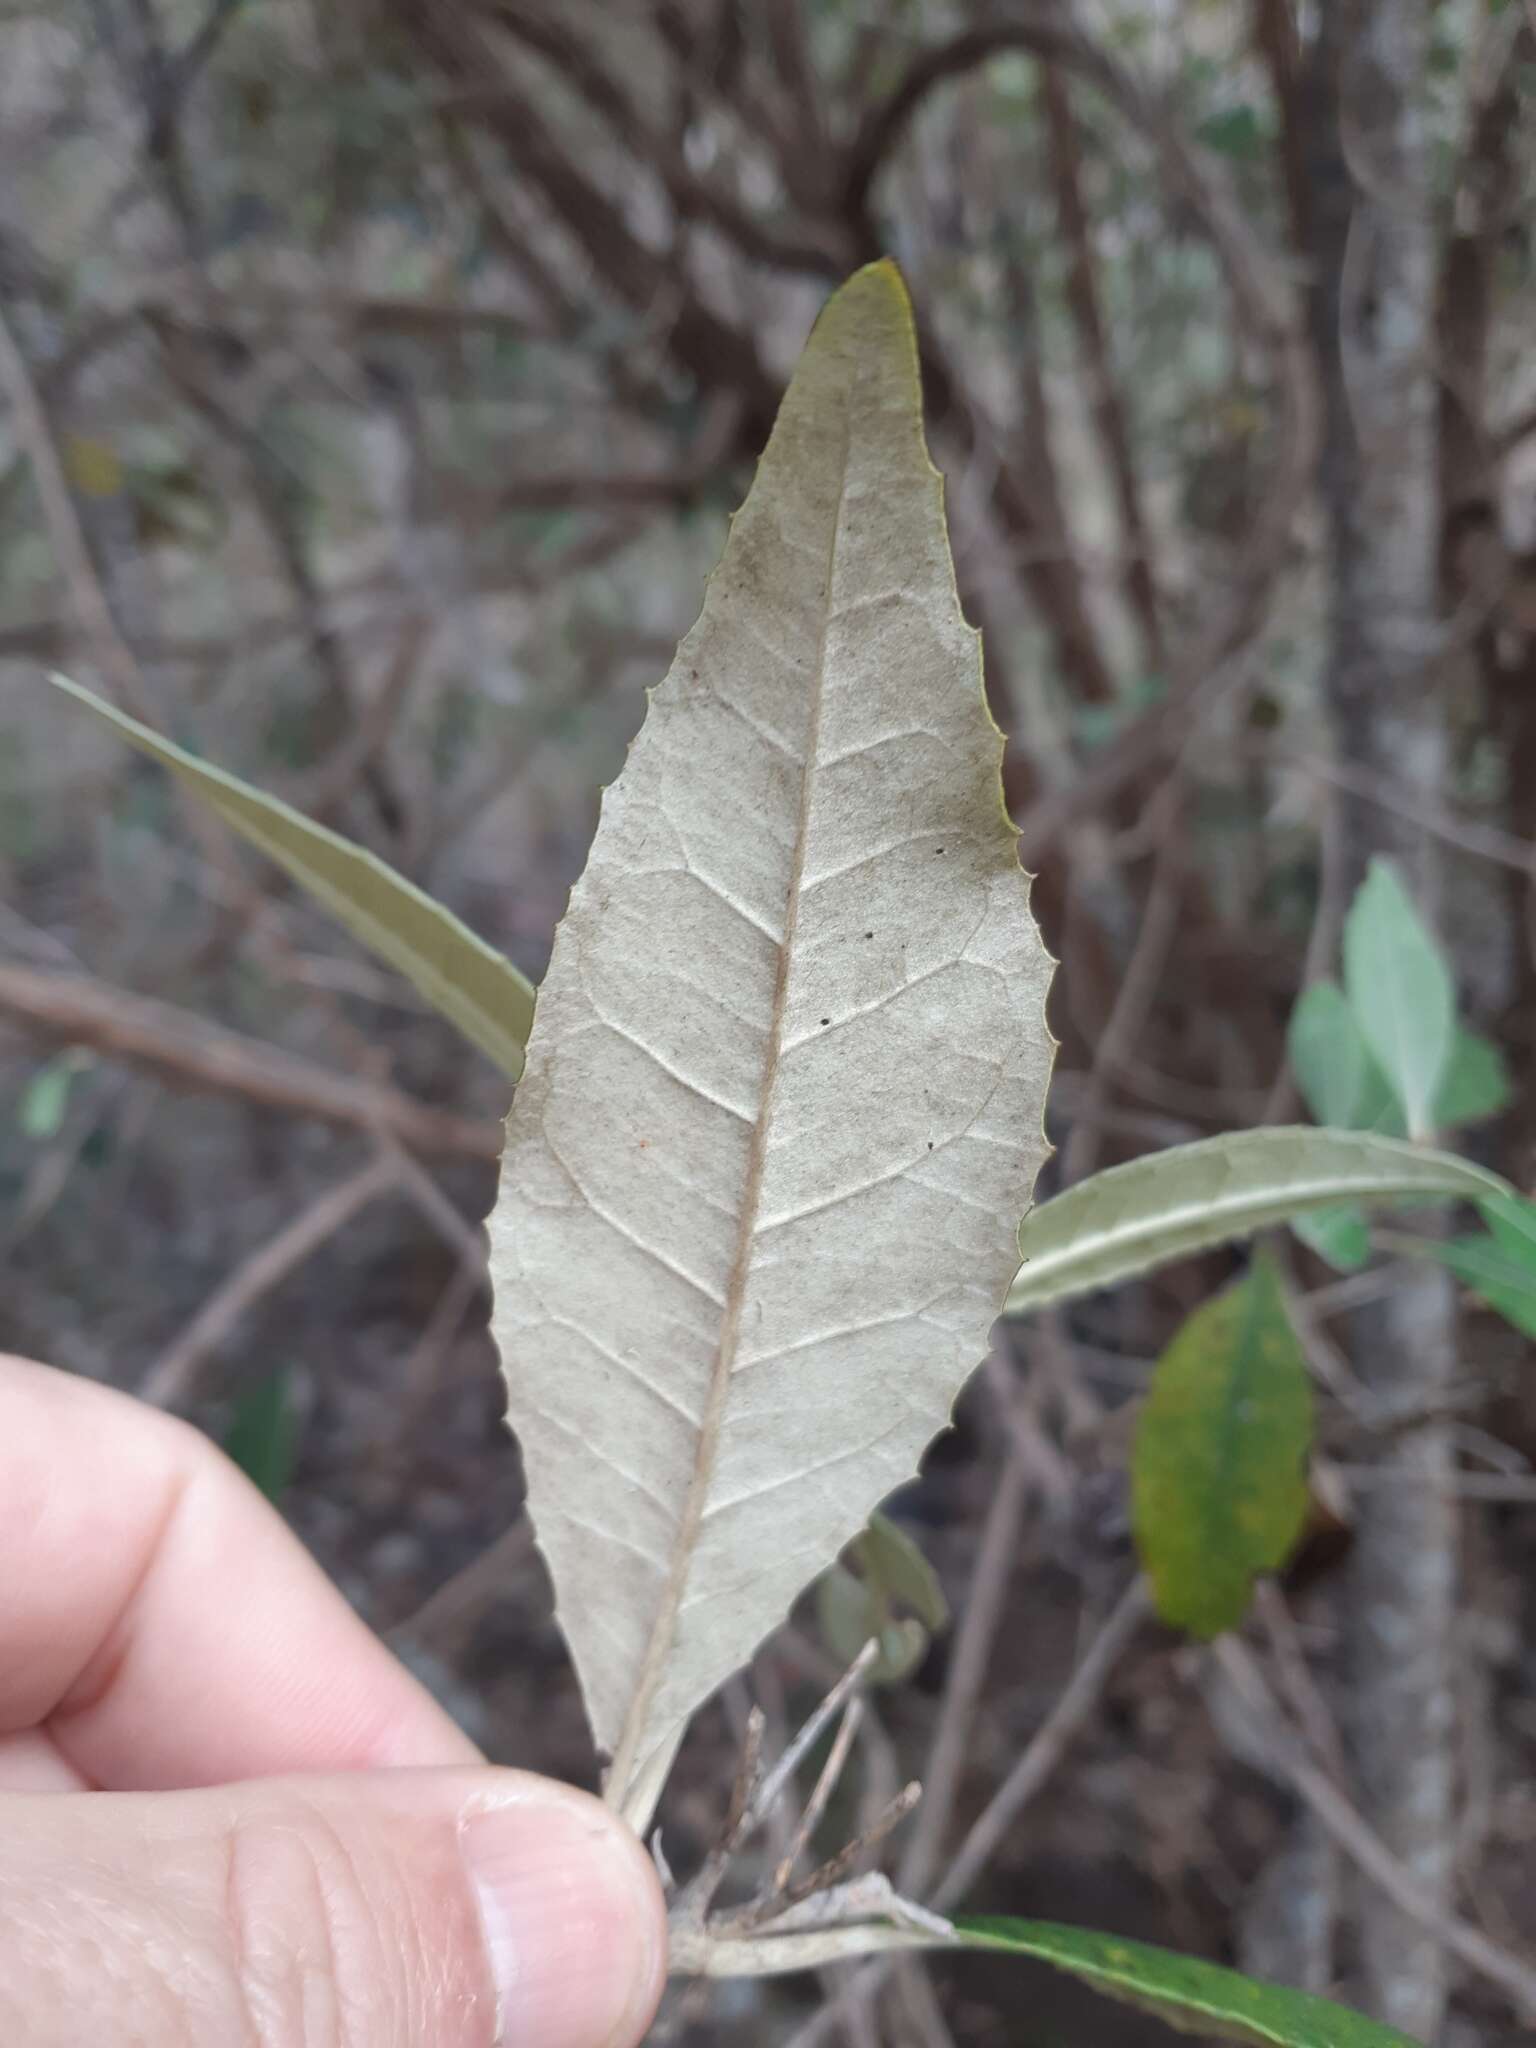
x: 1166, y: 1205
x: 1187, y: 1992
x: 464, y: 978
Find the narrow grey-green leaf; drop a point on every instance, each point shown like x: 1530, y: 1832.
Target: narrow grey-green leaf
x: 462, y: 977
x: 1400, y: 990
x: 787, y: 1074
x: 1190, y: 1994
x: 1475, y: 1084
x: 1168, y: 1204
x: 1339, y: 1234
x: 1218, y: 1470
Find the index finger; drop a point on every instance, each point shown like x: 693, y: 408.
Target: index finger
x: 162, y: 1623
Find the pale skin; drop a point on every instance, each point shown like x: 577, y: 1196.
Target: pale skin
x: 229, y: 1817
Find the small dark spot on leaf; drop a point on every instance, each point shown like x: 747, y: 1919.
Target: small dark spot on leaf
x: 869, y: 935
x: 930, y: 1144
x: 826, y: 1020
x: 938, y: 849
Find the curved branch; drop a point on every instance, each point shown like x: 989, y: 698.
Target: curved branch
x: 1265, y: 308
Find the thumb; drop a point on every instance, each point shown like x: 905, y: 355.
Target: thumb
x: 399, y: 1909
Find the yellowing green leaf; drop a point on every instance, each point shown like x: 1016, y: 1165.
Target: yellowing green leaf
x: 468, y: 981
x: 1400, y: 990
x: 785, y: 1086
x: 1218, y: 1473
x: 1194, y: 1996
x: 1168, y: 1204
x: 92, y: 466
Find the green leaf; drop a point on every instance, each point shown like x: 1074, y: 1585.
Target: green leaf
x: 45, y: 1099
x: 1237, y: 132
x: 858, y: 1602
x: 462, y: 977
x: 1505, y: 1282
x: 1339, y: 1234
x: 1168, y: 1204
x: 1512, y: 1219
x: 851, y: 1613
x: 888, y: 1558
x: 1218, y: 1472
x: 1194, y: 1996
x: 1328, y: 1055
x: 1499, y: 1267
x: 263, y: 1435
x: 1475, y: 1084
x: 1400, y: 990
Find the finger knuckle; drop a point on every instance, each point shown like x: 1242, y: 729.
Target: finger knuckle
x: 315, y: 1960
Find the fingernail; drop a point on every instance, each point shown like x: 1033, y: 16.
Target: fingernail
x: 573, y: 1922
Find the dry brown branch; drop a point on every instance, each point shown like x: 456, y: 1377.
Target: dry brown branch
x: 171, y: 1377
x: 1266, y: 311
x: 984, y: 1607
x: 460, y: 43
x: 1372, y: 315
x: 1126, y: 1023
x: 1065, y: 165
x: 1300, y: 1688
x: 325, y: 793
x: 578, y: 62
x: 1047, y: 1746
x: 448, y: 1614
x: 1422, y: 809
x: 69, y: 1009
x: 1030, y: 1773
x: 116, y: 660
x: 1512, y: 1973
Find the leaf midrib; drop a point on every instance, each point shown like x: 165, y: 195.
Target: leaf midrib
x: 627, y: 1755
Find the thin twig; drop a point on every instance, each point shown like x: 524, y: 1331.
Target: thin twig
x: 971, y: 1654
x: 1047, y: 1746
x: 449, y: 1612
x: 837, y: 1867
x: 76, y: 1010
x: 821, y: 1792
x: 116, y: 660
x: 1138, y: 988
x: 1033, y: 1769
x: 170, y: 1378
x: 1512, y: 1973
x: 776, y: 1779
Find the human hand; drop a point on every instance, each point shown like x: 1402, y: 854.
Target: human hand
x: 183, y: 1859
